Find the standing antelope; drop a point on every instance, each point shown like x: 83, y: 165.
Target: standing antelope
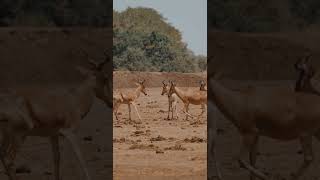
x: 190, y: 97
x: 172, y: 100
x: 52, y: 113
x: 306, y: 73
x: 203, y: 85
x: 273, y: 112
x: 129, y: 98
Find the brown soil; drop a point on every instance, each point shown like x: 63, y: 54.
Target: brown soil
x: 159, y: 148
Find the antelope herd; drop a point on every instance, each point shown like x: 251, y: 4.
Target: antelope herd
x: 284, y: 114
x: 196, y: 97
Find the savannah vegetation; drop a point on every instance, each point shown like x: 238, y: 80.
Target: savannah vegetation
x: 144, y: 41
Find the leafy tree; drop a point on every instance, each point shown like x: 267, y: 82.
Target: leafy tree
x: 144, y: 41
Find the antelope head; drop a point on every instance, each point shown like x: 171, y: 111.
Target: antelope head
x: 303, y: 83
x: 164, y: 88
x: 142, y: 86
x: 202, y: 85
x: 95, y: 74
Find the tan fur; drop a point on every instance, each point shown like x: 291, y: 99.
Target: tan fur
x: 268, y: 111
x: 195, y: 97
x: 128, y: 98
x: 172, y: 100
x: 203, y: 86
x: 56, y: 112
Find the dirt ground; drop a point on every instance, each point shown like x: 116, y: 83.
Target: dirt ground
x: 159, y: 148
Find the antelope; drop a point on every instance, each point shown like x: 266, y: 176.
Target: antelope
x: 129, y: 98
x: 272, y: 112
x: 172, y: 100
x: 203, y: 85
x: 306, y: 73
x: 53, y: 113
x: 190, y: 97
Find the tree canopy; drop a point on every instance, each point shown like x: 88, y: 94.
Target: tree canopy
x: 144, y: 41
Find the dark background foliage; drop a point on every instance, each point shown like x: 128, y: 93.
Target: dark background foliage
x: 262, y: 15
x: 55, y: 12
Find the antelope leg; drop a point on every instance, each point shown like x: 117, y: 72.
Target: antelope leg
x: 135, y: 107
x: 253, y: 155
x: 306, y: 143
x: 9, y: 166
x: 247, y: 146
x: 212, y: 148
x: 56, y: 155
x: 11, y: 146
x: 177, y: 114
x: 129, y: 107
x: 172, y: 109
x: 187, y: 110
x: 169, y: 108
x: 202, y: 111
x: 188, y: 114
x: 7, y: 161
x: 72, y: 139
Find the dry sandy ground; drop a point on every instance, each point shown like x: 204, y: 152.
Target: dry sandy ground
x: 159, y: 148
